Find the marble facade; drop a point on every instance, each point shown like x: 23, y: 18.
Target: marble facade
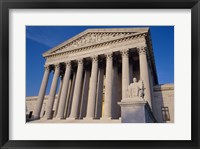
x: 95, y: 69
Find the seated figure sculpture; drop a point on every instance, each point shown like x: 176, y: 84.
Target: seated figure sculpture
x: 136, y: 89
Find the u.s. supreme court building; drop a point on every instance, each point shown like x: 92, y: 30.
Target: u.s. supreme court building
x: 106, y: 76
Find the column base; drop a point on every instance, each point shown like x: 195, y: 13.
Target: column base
x: 58, y: 118
x: 88, y: 118
x: 34, y: 118
x: 45, y: 118
x: 71, y: 118
x: 106, y: 118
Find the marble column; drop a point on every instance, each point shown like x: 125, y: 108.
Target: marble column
x: 119, y: 91
x: 151, y: 90
x: 125, y: 72
x: 52, y: 93
x: 108, y: 87
x: 77, y: 90
x: 59, y: 94
x: 99, y: 94
x: 68, y: 98
x: 64, y: 92
x: 69, y: 105
x: 115, y: 93
x: 92, y: 89
x: 144, y: 73
x: 84, y: 97
x: 42, y: 113
x: 41, y: 94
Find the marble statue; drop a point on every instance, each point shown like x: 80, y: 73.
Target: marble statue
x: 135, y: 89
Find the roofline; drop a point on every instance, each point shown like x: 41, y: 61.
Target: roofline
x: 145, y: 29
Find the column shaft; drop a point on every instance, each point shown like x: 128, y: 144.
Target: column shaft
x: 41, y: 94
x: 64, y: 92
x: 115, y: 93
x: 108, y: 87
x: 69, y: 105
x: 42, y: 113
x: 77, y: 91
x: 84, y: 97
x: 119, y: 91
x: 52, y: 93
x: 125, y: 72
x: 99, y: 95
x: 92, y: 89
x: 151, y: 90
x: 144, y: 73
x: 59, y: 94
x: 67, y: 99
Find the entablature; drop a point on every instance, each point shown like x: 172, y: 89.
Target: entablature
x: 99, y: 50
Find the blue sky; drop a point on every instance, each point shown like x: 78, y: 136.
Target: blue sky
x: 39, y: 39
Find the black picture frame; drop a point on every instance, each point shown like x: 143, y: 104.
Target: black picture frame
x: 5, y: 5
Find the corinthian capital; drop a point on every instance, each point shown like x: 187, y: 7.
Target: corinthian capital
x: 46, y: 67
x: 80, y: 61
x: 94, y: 58
x: 124, y: 53
x: 109, y: 55
x: 57, y: 66
x: 68, y: 63
x: 142, y: 50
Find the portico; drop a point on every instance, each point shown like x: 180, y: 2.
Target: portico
x: 96, y: 68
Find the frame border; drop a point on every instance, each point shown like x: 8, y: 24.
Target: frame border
x: 5, y: 5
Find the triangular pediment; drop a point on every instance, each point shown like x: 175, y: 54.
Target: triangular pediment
x: 94, y: 36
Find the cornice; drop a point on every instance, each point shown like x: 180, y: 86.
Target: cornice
x: 164, y: 87
x: 97, y: 45
x: 106, y: 30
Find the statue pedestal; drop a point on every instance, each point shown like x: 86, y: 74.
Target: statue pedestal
x: 136, y: 110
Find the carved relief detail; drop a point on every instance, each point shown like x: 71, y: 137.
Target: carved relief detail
x: 94, y: 58
x: 124, y: 53
x: 56, y: 55
x: 46, y: 67
x: 80, y: 61
x: 109, y: 56
x: 68, y: 63
x: 92, y: 38
x: 57, y: 66
x: 142, y: 50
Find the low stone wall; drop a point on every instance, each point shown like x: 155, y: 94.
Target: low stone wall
x: 31, y: 102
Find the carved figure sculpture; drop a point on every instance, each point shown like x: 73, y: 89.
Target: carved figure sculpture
x: 135, y: 89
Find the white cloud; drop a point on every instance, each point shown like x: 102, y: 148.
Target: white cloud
x: 38, y: 35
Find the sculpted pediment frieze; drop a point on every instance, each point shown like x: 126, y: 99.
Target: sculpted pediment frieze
x: 92, y: 38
